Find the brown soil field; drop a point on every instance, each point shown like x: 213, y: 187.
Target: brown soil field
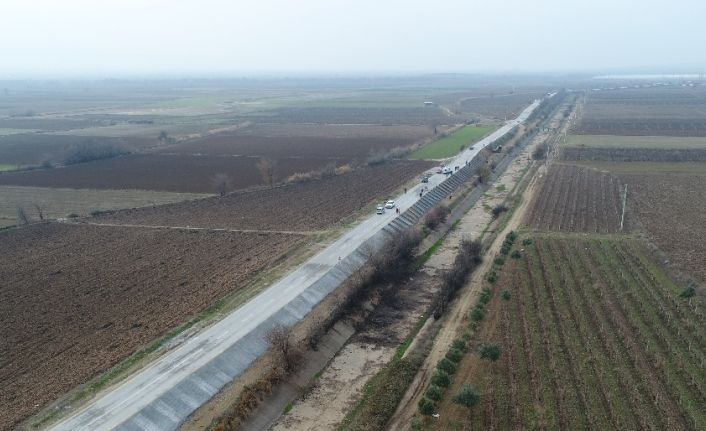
x: 76, y: 299
x: 577, y: 199
x: 671, y: 209
x: 645, y: 111
x: 161, y: 172
x: 303, y: 206
x: 346, y: 148
x: 594, y: 336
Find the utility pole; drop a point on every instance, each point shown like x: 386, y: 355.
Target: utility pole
x: 625, y: 200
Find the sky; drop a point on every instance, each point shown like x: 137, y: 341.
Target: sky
x: 111, y: 37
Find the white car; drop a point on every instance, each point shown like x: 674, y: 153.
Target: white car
x: 380, y: 210
x: 390, y: 204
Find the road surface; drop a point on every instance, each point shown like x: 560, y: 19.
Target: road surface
x: 163, y: 394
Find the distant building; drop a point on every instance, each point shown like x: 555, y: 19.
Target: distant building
x: 428, y: 103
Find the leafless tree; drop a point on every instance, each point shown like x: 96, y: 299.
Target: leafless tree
x: 484, y: 173
x: 22, y: 216
x: 280, y: 338
x: 267, y: 166
x: 40, y: 211
x: 221, y: 182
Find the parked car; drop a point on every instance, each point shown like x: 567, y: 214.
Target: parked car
x: 390, y: 204
x: 425, y: 179
x: 447, y: 171
x: 380, y: 210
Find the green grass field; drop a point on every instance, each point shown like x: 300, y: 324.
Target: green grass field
x: 451, y: 145
x: 611, y: 141
x: 646, y: 167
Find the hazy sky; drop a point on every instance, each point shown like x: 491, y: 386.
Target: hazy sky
x: 202, y: 36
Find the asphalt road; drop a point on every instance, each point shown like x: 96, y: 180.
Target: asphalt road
x: 163, y: 394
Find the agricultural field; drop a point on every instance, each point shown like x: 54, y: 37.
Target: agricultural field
x: 451, y: 145
x: 666, y: 201
x: 61, y: 325
x: 410, y: 133
x: 593, y: 335
x: 669, y: 111
x: 305, y: 206
x: 161, y: 172
x: 59, y: 202
x: 344, y: 149
x: 35, y: 148
x: 577, y: 199
x: 650, y: 142
x: 356, y: 115
x: 499, y: 106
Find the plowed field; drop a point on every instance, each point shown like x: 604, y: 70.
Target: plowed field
x: 303, y: 206
x: 671, y: 209
x: 75, y: 300
x: 574, y: 198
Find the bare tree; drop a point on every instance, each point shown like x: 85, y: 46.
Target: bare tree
x: 484, y: 174
x: 40, y: 211
x: 22, y: 216
x: 267, y: 166
x: 279, y: 338
x: 221, y: 182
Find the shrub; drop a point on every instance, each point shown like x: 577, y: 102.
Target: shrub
x: 446, y: 366
x: 526, y: 242
x: 454, y: 355
x: 506, y: 295
x: 90, y: 150
x: 505, y: 249
x: 540, y: 152
x: 688, y: 292
x: 477, y: 314
x: 436, y: 216
x: 511, y: 237
x: 516, y: 254
x: 426, y: 407
x: 499, y: 209
x: 467, y: 336
x: 434, y: 393
x: 492, y: 276
x: 441, y: 379
x: 490, y: 352
x: 459, y: 344
x: 467, y: 396
x: 485, y: 296
x: 499, y: 261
